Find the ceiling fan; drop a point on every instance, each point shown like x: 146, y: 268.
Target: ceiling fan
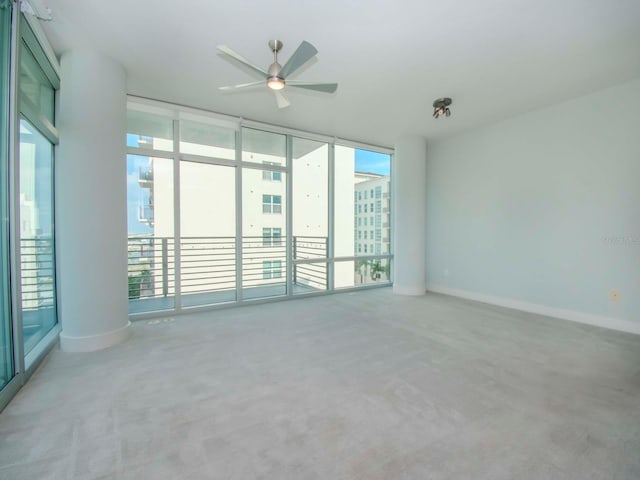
x: 276, y: 75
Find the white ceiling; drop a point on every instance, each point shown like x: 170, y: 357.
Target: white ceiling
x: 495, y: 58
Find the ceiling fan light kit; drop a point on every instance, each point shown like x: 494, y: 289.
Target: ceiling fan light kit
x: 276, y: 74
x: 441, y: 107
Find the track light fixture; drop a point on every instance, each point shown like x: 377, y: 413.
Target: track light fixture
x: 441, y: 107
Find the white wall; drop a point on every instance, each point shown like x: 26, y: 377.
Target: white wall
x: 543, y: 210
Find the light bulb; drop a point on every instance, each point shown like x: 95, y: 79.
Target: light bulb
x: 275, y: 83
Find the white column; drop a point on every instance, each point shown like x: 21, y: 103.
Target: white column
x: 91, y: 209
x: 410, y: 197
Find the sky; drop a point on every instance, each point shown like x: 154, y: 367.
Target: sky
x: 372, y: 162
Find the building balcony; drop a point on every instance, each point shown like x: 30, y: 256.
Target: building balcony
x: 145, y: 177
x: 145, y: 214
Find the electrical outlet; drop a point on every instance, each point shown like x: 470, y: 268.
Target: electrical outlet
x: 615, y: 295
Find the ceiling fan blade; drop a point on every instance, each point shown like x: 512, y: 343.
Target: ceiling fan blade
x: 239, y: 58
x: 241, y: 86
x: 282, y: 101
x: 302, y: 55
x: 318, y: 87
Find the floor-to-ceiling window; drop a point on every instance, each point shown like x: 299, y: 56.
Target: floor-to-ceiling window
x: 207, y: 214
x: 264, y: 210
x: 310, y: 222
x: 363, y: 223
x: 28, y: 82
x: 37, y: 137
x: 221, y: 211
x: 7, y: 369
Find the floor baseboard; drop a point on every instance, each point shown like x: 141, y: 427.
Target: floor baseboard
x: 571, y: 315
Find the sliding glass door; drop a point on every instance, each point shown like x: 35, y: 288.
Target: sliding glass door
x: 7, y: 368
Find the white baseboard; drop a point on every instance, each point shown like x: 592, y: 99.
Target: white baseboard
x: 94, y: 342
x: 572, y: 315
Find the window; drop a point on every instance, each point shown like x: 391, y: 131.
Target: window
x: 365, y: 248
x: 271, y: 204
x: 38, y: 136
x: 271, y: 236
x: 271, y: 175
x: 271, y: 269
x: 7, y: 370
x: 378, y: 192
x: 213, y: 183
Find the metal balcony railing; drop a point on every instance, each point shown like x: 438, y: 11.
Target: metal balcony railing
x: 37, y: 273
x: 208, y: 264
x: 145, y: 176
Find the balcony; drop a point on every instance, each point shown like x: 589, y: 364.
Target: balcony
x: 208, y: 269
x: 145, y: 177
x: 145, y: 214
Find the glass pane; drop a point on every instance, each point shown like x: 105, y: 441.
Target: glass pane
x: 208, y: 234
x: 264, y: 147
x: 309, y: 277
x: 352, y: 273
x: 264, y: 231
x: 151, y: 248
x: 363, y: 179
x: 6, y: 341
x: 145, y: 130
x: 207, y: 140
x: 35, y: 88
x: 310, y: 198
x: 37, y: 266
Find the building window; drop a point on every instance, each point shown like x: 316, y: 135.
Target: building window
x: 271, y: 175
x: 371, y: 207
x: 359, y: 234
x: 365, y: 248
x: 359, y: 208
x: 378, y: 192
x: 365, y: 234
x: 372, y: 192
x: 365, y: 208
x: 365, y: 221
x: 271, y: 204
x: 271, y: 269
x: 271, y: 237
x: 359, y: 222
x: 359, y: 195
